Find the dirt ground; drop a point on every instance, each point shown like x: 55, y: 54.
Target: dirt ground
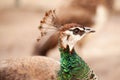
x: 19, y: 31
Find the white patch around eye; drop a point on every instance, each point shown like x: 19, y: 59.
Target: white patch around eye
x: 71, y: 41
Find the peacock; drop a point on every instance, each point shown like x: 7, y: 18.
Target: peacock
x: 70, y: 67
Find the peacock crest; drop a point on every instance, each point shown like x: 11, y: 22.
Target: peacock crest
x: 49, y: 23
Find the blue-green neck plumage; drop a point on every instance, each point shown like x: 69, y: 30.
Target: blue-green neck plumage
x: 72, y: 66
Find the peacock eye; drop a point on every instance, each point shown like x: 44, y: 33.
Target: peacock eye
x: 76, y: 31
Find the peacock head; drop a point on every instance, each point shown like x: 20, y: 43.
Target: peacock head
x: 70, y: 34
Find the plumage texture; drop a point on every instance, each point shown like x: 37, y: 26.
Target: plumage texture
x: 29, y: 68
x: 73, y: 67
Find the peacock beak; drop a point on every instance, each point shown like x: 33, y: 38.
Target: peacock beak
x: 89, y: 30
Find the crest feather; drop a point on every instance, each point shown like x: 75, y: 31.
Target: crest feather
x: 48, y: 23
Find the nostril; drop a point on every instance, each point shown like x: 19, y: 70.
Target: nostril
x: 89, y: 30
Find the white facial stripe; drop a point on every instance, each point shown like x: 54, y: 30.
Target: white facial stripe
x: 78, y: 28
x: 68, y: 32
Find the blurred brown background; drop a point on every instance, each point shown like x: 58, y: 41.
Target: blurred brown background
x: 19, y: 21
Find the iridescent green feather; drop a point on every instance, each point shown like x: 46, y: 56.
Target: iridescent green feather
x: 73, y: 67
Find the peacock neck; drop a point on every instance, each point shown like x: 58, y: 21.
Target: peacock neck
x: 72, y: 66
